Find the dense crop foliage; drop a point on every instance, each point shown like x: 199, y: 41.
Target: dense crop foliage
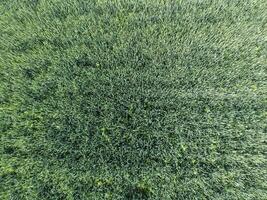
x: 133, y: 99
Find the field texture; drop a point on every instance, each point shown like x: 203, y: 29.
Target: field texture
x: 133, y: 99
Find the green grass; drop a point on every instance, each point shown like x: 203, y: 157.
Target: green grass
x: 133, y: 99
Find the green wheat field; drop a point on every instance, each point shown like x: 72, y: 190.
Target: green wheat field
x: 133, y: 99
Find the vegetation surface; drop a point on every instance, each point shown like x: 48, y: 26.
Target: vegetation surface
x: 133, y: 99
